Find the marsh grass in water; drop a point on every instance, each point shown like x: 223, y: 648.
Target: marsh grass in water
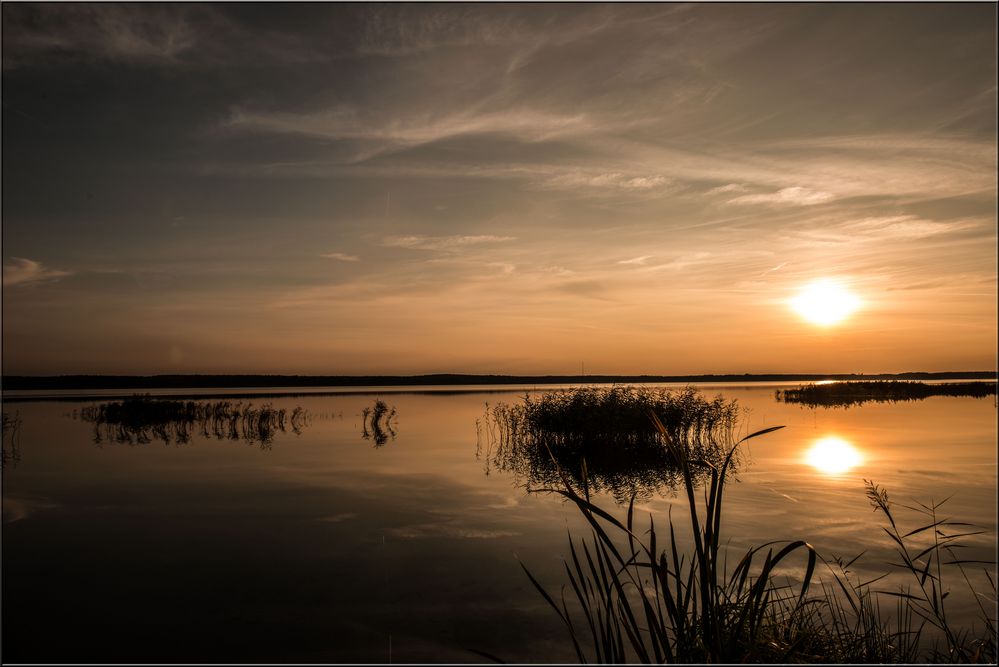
x: 10, y: 452
x: 378, y: 422
x: 638, y: 597
x: 846, y: 394
x: 602, y: 437
x: 142, y: 419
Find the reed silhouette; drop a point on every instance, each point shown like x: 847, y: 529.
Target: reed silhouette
x: 378, y: 418
x: 10, y: 452
x: 634, y: 601
x: 846, y: 394
x: 142, y: 419
x: 602, y: 437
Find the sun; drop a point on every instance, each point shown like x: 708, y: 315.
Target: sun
x: 825, y: 302
x: 833, y: 456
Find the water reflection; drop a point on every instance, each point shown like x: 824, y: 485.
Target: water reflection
x: 622, y: 471
x: 833, y: 455
x: 846, y: 394
x: 142, y: 419
x: 10, y: 453
x: 379, y: 419
x: 194, y: 517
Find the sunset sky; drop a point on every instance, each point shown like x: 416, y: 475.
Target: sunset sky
x: 497, y: 188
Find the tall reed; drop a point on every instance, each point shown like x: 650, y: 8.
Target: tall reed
x: 640, y: 602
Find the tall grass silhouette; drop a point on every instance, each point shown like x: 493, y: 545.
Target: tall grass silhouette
x: 636, y: 599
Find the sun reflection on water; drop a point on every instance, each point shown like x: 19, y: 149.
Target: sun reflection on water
x: 832, y: 455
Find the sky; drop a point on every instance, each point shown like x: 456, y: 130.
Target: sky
x: 497, y: 188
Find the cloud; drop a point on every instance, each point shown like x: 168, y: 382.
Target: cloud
x: 902, y: 227
x: 340, y: 256
x: 725, y: 189
x: 606, y: 180
x: 348, y: 122
x: 22, y: 271
x: 145, y: 34
x: 395, y: 31
x: 98, y: 31
x: 454, y: 242
x: 795, y: 196
x: 636, y: 260
x: 504, y: 267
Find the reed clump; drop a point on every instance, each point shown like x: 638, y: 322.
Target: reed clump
x: 603, y: 437
x: 636, y: 601
x: 378, y: 422
x: 845, y: 394
x: 142, y: 419
x: 10, y: 451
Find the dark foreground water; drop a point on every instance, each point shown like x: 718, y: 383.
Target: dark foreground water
x: 325, y: 547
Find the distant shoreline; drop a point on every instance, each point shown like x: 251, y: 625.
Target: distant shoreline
x: 87, y: 382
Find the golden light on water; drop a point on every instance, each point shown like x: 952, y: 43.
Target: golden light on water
x: 832, y: 455
x: 825, y: 302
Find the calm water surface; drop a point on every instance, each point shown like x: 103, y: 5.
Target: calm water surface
x: 324, y: 547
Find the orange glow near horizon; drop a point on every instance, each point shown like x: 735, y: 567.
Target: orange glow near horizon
x: 825, y: 302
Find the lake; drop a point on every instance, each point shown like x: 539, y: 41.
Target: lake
x: 327, y: 546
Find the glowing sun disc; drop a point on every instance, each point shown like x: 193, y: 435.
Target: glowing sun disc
x: 825, y: 302
x: 833, y: 456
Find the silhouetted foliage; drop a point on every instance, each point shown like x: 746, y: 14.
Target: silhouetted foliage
x: 10, y: 453
x: 379, y: 419
x: 142, y: 419
x: 845, y: 394
x: 640, y: 598
x: 605, y: 437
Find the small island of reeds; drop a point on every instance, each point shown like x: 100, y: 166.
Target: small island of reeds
x: 608, y: 431
x: 141, y: 419
x: 845, y: 394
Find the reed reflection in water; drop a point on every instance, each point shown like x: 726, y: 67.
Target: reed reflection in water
x: 377, y: 422
x: 142, y: 419
x: 10, y: 452
x: 847, y: 394
x: 605, y: 439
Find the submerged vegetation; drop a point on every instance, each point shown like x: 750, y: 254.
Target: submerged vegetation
x: 10, y: 452
x: 884, y: 391
x: 642, y: 602
x: 377, y: 422
x: 142, y: 419
x: 602, y: 437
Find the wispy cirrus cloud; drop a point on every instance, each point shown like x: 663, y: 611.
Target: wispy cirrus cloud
x: 100, y: 32
x: 21, y: 271
x: 793, y: 196
x: 615, y: 180
x: 341, y: 256
x: 904, y: 227
x: 636, y: 260
x: 348, y: 122
x: 726, y: 189
x: 447, y: 243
